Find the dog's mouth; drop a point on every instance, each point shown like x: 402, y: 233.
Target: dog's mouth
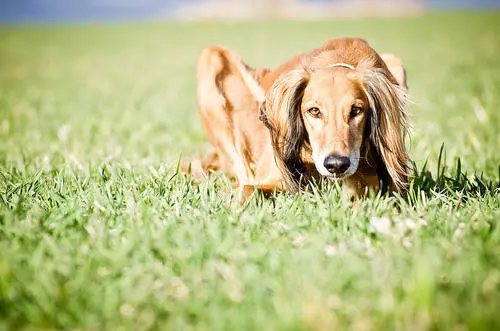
x: 334, y: 176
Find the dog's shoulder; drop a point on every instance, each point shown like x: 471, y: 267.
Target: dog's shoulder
x: 352, y: 51
x: 348, y: 50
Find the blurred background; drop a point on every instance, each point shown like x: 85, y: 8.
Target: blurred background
x: 19, y: 11
x: 91, y: 80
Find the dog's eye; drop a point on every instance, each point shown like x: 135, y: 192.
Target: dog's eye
x: 355, y: 111
x: 314, y: 111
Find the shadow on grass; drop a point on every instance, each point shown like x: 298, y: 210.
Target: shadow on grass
x: 453, y: 184
x: 448, y: 182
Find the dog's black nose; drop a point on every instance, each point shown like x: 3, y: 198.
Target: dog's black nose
x: 336, y: 164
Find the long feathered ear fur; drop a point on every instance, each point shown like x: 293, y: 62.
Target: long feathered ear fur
x: 281, y: 114
x: 389, y: 103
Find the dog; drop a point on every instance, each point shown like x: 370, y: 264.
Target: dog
x: 338, y: 111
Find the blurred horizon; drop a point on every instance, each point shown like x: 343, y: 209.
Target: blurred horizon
x: 61, y: 11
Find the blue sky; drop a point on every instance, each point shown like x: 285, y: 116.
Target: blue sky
x: 97, y: 10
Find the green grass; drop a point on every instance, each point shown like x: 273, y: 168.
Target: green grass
x: 98, y: 232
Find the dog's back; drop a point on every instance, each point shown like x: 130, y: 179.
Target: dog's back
x: 336, y: 50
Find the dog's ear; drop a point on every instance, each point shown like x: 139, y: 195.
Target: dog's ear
x: 281, y: 114
x: 388, y: 103
x: 395, y: 66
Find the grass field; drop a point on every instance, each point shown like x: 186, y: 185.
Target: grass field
x: 97, y: 232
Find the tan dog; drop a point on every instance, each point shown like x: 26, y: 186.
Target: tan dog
x: 338, y: 111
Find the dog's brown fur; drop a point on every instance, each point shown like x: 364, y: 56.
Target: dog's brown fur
x: 266, y: 131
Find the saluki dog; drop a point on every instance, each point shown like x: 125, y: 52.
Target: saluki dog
x: 338, y: 111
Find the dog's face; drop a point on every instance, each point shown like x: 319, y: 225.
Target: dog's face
x: 334, y: 110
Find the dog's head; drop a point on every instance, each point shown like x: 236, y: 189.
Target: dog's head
x: 338, y: 114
